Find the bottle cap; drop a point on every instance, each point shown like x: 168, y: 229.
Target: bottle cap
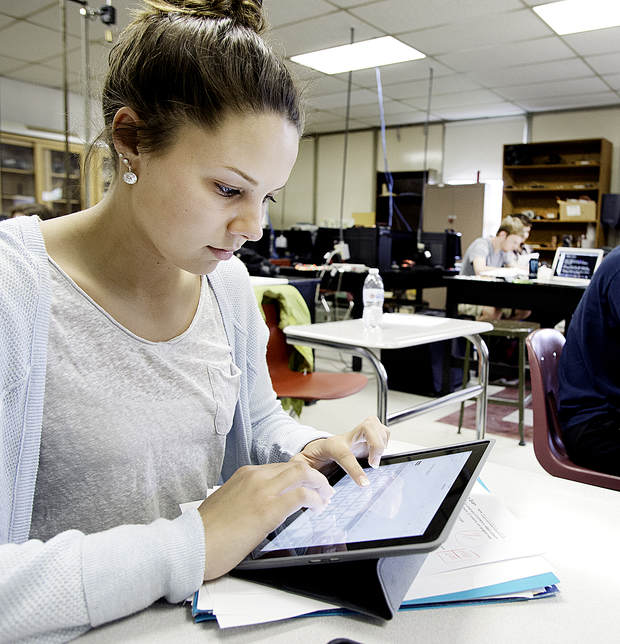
x: 373, y: 271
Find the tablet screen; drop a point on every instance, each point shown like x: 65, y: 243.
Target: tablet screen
x: 409, y: 501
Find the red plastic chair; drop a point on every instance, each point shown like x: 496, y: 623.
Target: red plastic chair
x: 295, y: 384
x: 544, y: 347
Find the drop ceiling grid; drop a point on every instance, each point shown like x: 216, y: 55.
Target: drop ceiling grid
x: 489, y: 57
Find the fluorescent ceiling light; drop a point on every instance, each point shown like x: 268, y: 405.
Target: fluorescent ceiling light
x: 574, y: 16
x: 359, y: 55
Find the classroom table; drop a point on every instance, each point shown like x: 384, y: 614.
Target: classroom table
x: 397, y: 331
x: 579, y: 530
x: 548, y: 301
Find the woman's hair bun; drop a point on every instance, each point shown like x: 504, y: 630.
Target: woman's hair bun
x: 247, y: 13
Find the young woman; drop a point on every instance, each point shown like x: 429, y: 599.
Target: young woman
x: 132, y: 360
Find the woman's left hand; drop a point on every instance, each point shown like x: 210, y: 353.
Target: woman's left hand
x: 370, y: 439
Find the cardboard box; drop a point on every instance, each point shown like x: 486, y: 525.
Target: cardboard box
x: 577, y: 210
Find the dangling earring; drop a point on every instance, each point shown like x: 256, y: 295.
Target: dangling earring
x: 129, y: 177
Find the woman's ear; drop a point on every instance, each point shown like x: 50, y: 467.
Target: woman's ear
x: 125, y: 126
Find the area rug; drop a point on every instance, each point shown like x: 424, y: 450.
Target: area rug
x: 501, y: 419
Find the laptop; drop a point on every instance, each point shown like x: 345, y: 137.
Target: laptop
x: 575, y: 266
x: 411, y: 504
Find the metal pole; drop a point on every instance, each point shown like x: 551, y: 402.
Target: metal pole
x: 346, y: 145
x: 65, y: 88
x: 86, y: 80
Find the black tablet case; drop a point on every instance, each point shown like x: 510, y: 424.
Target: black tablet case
x: 375, y: 587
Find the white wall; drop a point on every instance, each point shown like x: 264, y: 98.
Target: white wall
x: 42, y: 108
x: 587, y: 124
x: 477, y: 146
x: 405, y: 148
x: 295, y: 204
x: 360, y: 176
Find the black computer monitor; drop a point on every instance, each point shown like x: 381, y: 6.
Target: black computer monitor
x: 445, y: 247
x: 263, y: 245
x: 299, y: 244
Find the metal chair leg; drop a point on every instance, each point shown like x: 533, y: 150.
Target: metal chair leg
x: 465, y: 381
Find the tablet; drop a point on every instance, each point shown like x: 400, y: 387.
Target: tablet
x: 410, y: 505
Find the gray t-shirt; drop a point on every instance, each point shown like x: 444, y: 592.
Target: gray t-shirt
x: 483, y: 247
x: 131, y: 428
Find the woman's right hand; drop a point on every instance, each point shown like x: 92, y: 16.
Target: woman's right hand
x: 253, y: 503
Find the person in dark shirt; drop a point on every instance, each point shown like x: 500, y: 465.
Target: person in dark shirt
x: 589, y: 374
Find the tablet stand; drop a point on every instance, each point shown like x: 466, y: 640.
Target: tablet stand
x: 375, y: 587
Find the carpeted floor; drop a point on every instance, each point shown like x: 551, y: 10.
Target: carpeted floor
x: 501, y: 419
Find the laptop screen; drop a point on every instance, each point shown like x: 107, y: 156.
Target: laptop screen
x: 576, y: 263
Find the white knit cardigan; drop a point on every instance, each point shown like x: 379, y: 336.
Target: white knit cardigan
x: 56, y: 590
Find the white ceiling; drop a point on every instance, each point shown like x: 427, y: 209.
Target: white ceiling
x: 489, y: 57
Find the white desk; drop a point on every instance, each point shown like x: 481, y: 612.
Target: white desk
x: 579, y: 523
x: 400, y: 330
x: 257, y: 280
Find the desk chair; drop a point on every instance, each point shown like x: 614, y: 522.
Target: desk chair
x: 544, y: 348
x: 511, y: 329
x: 295, y: 384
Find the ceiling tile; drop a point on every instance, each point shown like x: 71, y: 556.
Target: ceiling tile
x: 613, y: 80
x: 564, y: 102
x: 17, y: 41
x: 8, y: 64
x: 441, y: 85
x: 476, y: 97
x: 592, y: 85
x: 21, y: 8
x: 398, y: 16
x: 601, y: 41
x: 508, y: 55
x: 607, y: 64
x: 372, y: 110
x: 399, y: 73
x: 321, y: 85
x: 282, y: 12
x: 405, y: 118
x: 331, y: 101
x: 322, y: 32
x: 5, y: 20
x: 478, y: 111
x: 495, y: 29
x: 532, y: 73
x: 40, y: 75
x: 52, y: 19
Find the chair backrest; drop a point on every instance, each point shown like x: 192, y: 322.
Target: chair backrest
x: 278, y: 350
x: 544, y: 347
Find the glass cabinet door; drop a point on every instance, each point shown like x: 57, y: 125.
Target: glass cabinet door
x: 17, y: 177
x: 60, y: 196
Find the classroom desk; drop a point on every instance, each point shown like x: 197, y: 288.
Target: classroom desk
x: 578, y: 526
x: 397, y: 331
x: 548, y: 302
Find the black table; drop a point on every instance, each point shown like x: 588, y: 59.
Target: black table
x: 548, y: 302
x: 417, y: 277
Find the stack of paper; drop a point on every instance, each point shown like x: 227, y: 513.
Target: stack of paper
x: 487, y: 557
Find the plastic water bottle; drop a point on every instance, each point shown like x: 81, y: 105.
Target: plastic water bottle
x: 373, y: 295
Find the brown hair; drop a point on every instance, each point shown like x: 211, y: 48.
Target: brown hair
x: 193, y: 61
x: 511, y: 226
x: 526, y: 220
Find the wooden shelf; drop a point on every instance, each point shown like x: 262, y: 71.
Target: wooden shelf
x: 595, y: 189
x: 17, y: 171
x: 556, y: 166
x: 563, y: 166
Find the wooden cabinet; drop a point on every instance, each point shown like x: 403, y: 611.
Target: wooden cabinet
x: 538, y: 175
x: 32, y: 169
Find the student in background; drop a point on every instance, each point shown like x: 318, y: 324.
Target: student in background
x: 527, y: 227
x: 588, y: 376
x: 132, y: 361
x: 28, y: 209
x: 488, y: 253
